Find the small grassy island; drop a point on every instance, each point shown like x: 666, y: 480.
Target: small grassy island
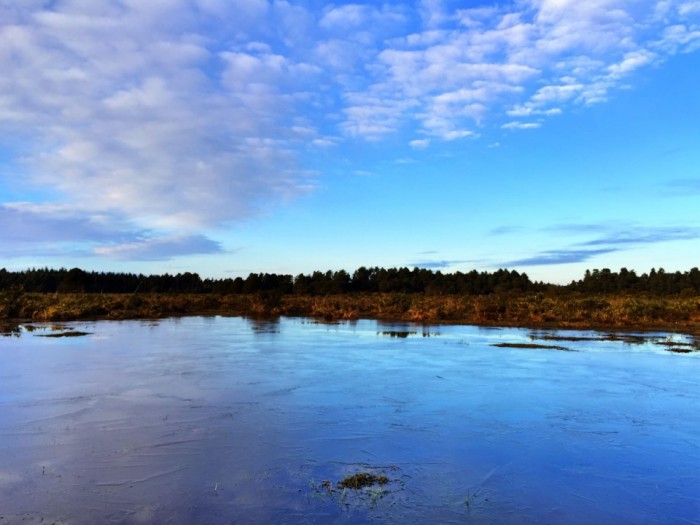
x: 602, y: 299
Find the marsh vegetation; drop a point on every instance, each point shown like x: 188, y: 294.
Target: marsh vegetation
x: 602, y: 299
x: 571, y: 310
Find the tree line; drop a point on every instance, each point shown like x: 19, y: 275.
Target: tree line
x: 397, y: 280
x: 656, y: 282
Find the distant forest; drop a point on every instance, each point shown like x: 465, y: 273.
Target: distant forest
x: 392, y: 280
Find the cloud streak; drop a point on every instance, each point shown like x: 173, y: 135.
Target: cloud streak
x: 554, y: 257
x: 635, y: 236
x: 432, y: 265
x: 608, y: 239
x: 160, y: 248
x: 31, y: 230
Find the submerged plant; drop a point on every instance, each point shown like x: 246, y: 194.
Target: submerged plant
x: 377, y: 493
x: 473, y: 497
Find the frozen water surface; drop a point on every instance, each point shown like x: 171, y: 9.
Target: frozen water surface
x: 228, y: 420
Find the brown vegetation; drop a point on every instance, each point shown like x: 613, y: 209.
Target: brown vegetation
x: 361, y: 480
x: 571, y: 310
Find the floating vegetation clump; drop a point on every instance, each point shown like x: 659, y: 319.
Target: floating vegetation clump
x: 629, y: 339
x: 532, y: 345
x: 670, y: 343
x: 362, y: 480
x: 678, y: 344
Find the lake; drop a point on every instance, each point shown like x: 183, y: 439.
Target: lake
x: 215, y: 420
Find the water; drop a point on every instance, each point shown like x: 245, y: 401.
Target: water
x: 227, y: 420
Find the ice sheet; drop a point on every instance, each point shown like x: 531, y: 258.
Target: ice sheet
x: 230, y: 420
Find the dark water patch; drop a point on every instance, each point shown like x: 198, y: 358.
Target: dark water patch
x: 695, y: 345
x: 632, y: 339
x: 533, y: 346
x: 571, y: 338
x: 265, y: 325
x: 74, y: 333
x: 681, y: 349
x: 402, y: 334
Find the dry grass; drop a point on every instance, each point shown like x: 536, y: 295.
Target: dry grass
x: 535, y: 310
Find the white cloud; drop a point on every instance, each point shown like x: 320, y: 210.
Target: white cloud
x: 325, y: 142
x: 535, y: 57
x: 679, y: 38
x: 457, y: 134
x: 346, y: 15
x: 373, y: 115
x: 521, y: 125
x: 352, y: 16
x: 630, y: 62
x: 133, y: 109
x: 689, y: 8
x: 433, y: 12
x: 419, y: 143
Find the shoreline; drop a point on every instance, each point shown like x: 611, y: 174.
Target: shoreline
x: 534, y: 310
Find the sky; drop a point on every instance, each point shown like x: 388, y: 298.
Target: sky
x: 226, y: 137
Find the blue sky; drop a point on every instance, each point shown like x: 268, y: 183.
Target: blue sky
x: 236, y: 136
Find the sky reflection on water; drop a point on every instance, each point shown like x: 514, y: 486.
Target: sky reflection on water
x: 228, y: 420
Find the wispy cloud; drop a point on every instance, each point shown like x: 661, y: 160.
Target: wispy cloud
x: 437, y: 264
x: 690, y: 186
x: 521, y: 125
x: 25, y: 223
x: 160, y: 248
x: 579, y: 228
x: 607, y: 238
x: 419, y: 143
x: 645, y: 235
x: 506, y: 230
x: 566, y: 256
x: 38, y: 230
